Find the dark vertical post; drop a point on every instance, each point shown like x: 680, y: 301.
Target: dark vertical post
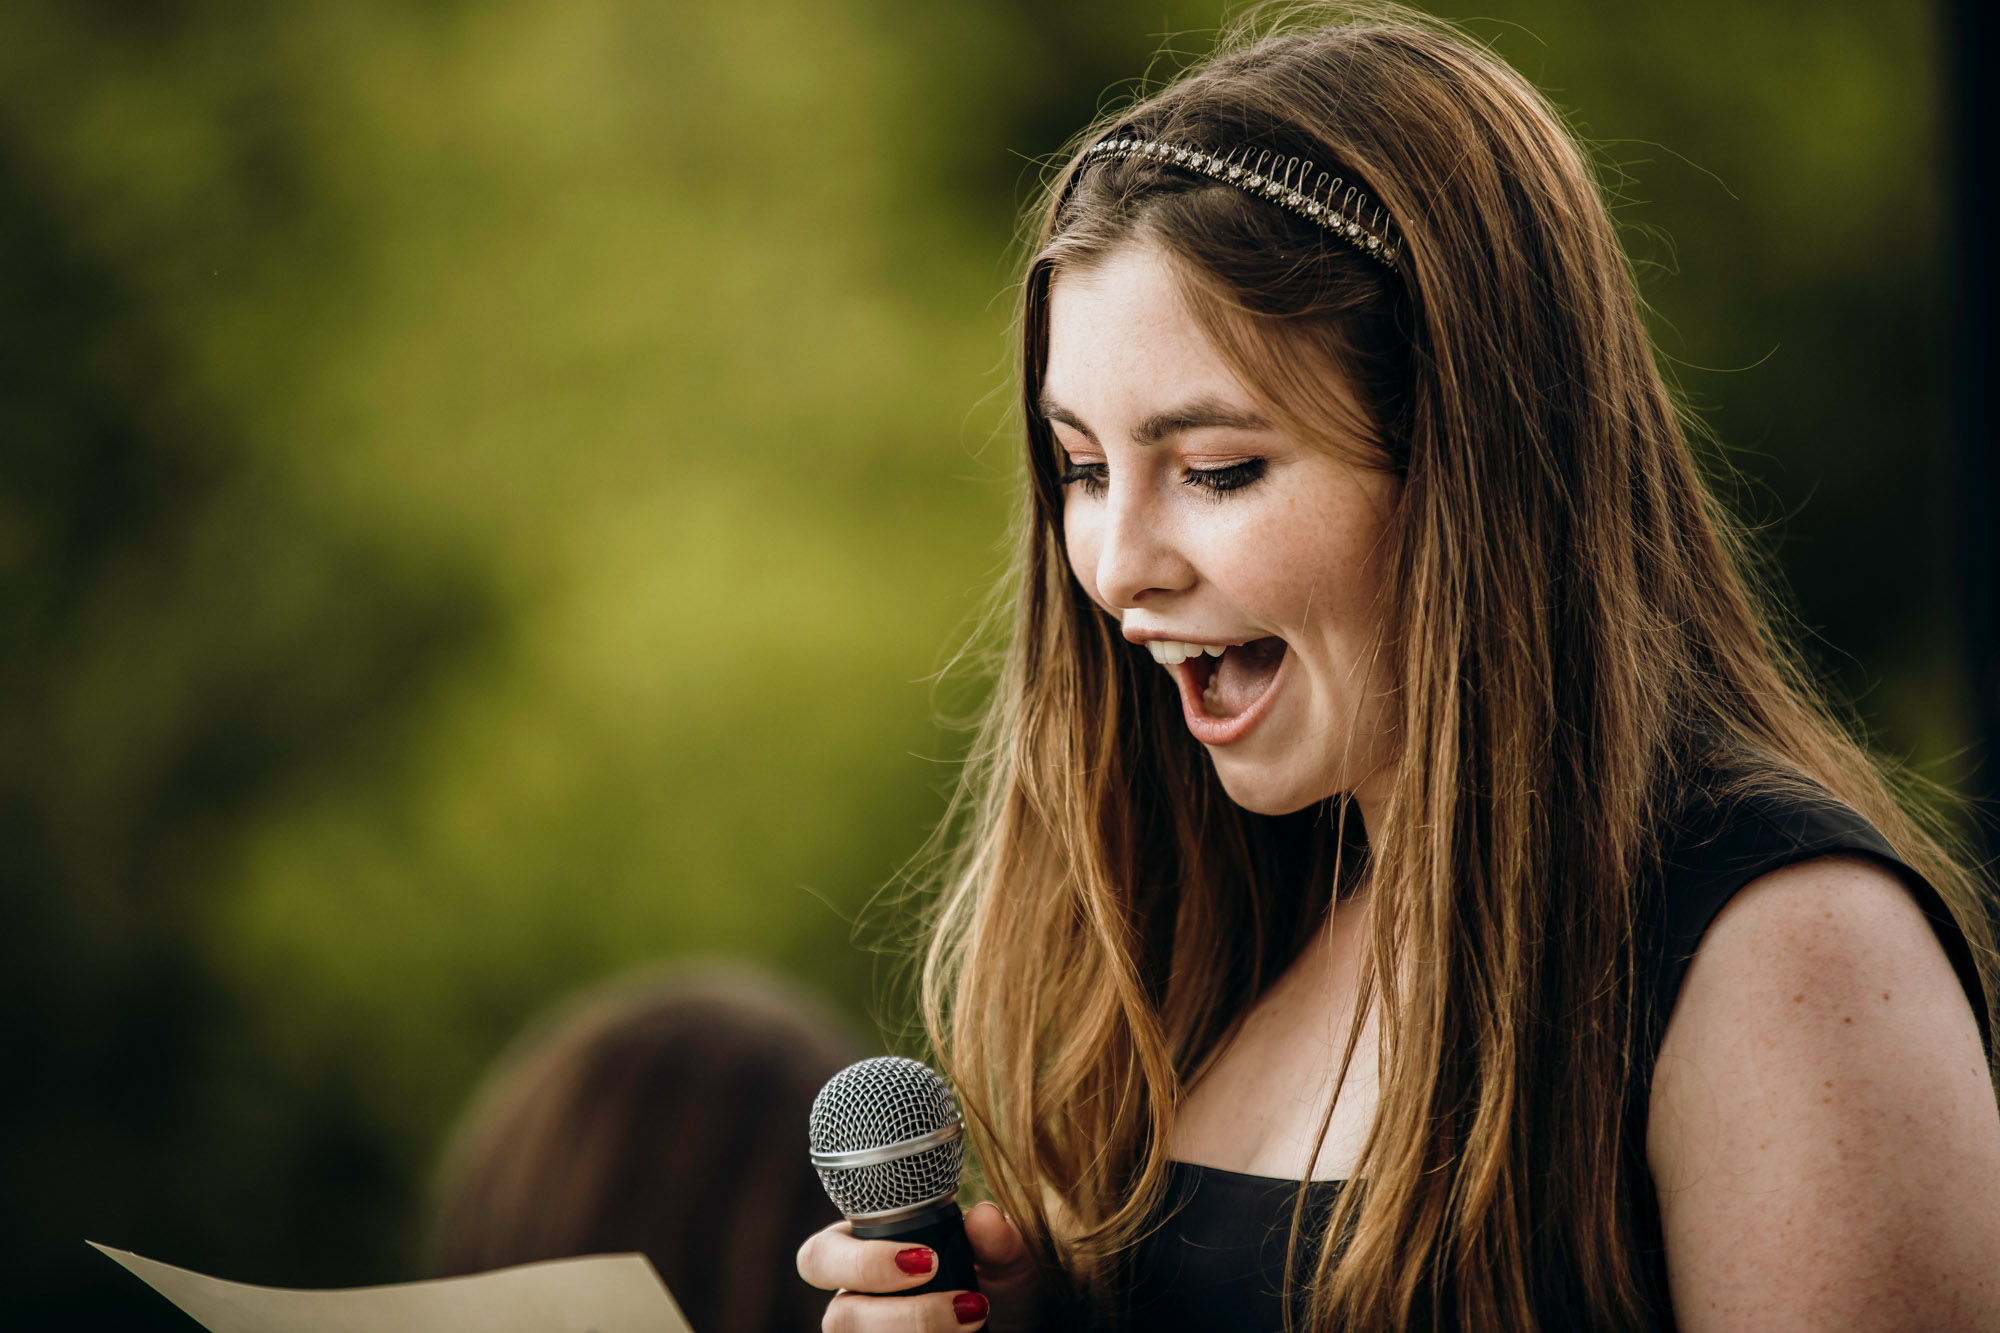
x: 1970, y: 53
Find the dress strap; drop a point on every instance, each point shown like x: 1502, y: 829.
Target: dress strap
x: 1714, y: 852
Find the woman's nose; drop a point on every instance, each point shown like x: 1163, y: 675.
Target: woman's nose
x: 1138, y: 556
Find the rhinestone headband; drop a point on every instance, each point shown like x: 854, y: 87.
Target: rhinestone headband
x: 1288, y: 182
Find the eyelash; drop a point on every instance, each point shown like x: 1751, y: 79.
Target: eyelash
x: 1216, y: 480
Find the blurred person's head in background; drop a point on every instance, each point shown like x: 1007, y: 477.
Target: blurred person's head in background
x: 664, y: 1114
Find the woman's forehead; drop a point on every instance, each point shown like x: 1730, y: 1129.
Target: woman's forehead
x: 1136, y: 346
x: 1121, y: 338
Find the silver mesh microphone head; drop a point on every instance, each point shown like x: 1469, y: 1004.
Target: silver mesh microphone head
x: 887, y: 1139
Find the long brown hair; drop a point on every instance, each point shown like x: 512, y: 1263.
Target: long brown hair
x: 664, y: 1114
x: 1576, y: 638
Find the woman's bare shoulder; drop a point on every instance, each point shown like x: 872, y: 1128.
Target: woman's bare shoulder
x: 1823, y: 1131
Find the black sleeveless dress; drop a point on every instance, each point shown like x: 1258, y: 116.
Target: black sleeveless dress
x: 1216, y: 1261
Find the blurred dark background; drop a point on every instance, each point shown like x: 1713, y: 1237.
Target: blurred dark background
x: 482, y: 488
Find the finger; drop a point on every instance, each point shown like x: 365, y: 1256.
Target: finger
x: 932, y: 1312
x: 833, y: 1259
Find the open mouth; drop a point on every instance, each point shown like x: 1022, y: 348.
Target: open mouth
x: 1221, y: 684
x: 1231, y: 684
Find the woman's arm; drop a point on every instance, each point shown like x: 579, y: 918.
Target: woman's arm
x: 1823, y: 1129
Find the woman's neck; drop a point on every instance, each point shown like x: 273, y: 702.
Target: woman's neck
x: 1257, y: 1109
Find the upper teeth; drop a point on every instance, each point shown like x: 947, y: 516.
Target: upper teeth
x: 1173, y: 652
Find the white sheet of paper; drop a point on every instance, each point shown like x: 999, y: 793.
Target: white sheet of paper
x: 606, y: 1293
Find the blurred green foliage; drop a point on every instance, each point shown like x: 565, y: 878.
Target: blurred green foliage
x: 485, y: 487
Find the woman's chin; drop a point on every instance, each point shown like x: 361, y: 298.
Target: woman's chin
x: 1263, y: 790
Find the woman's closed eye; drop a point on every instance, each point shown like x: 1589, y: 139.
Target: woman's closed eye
x: 1232, y: 477
x: 1092, y: 475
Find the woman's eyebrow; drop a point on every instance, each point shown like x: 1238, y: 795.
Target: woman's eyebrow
x: 1201, y: 414
x: 1055, y: 411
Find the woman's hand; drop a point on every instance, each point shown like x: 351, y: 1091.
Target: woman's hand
x: 1009, y: 1291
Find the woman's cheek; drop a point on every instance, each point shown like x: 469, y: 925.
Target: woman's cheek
x: 1080, y: 541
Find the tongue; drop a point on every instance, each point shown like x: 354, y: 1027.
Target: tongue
x: 1242, y: 676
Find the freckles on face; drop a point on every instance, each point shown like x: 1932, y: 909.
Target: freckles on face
x: 1244, y: 559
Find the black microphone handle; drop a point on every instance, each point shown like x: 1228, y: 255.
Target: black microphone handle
x: 943, y: 1230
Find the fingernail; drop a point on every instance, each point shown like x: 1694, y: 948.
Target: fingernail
x: 969, y: 1306
x: 916, y: 1260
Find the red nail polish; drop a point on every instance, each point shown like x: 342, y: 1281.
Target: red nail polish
x: 969, y: 1306
x: 916, y: 1260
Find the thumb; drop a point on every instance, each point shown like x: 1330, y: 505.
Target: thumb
x: 1006, y: 1268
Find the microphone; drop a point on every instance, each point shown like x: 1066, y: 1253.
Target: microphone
x: 888, y: 1143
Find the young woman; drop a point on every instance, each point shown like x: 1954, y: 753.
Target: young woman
x: 1407, y: 884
